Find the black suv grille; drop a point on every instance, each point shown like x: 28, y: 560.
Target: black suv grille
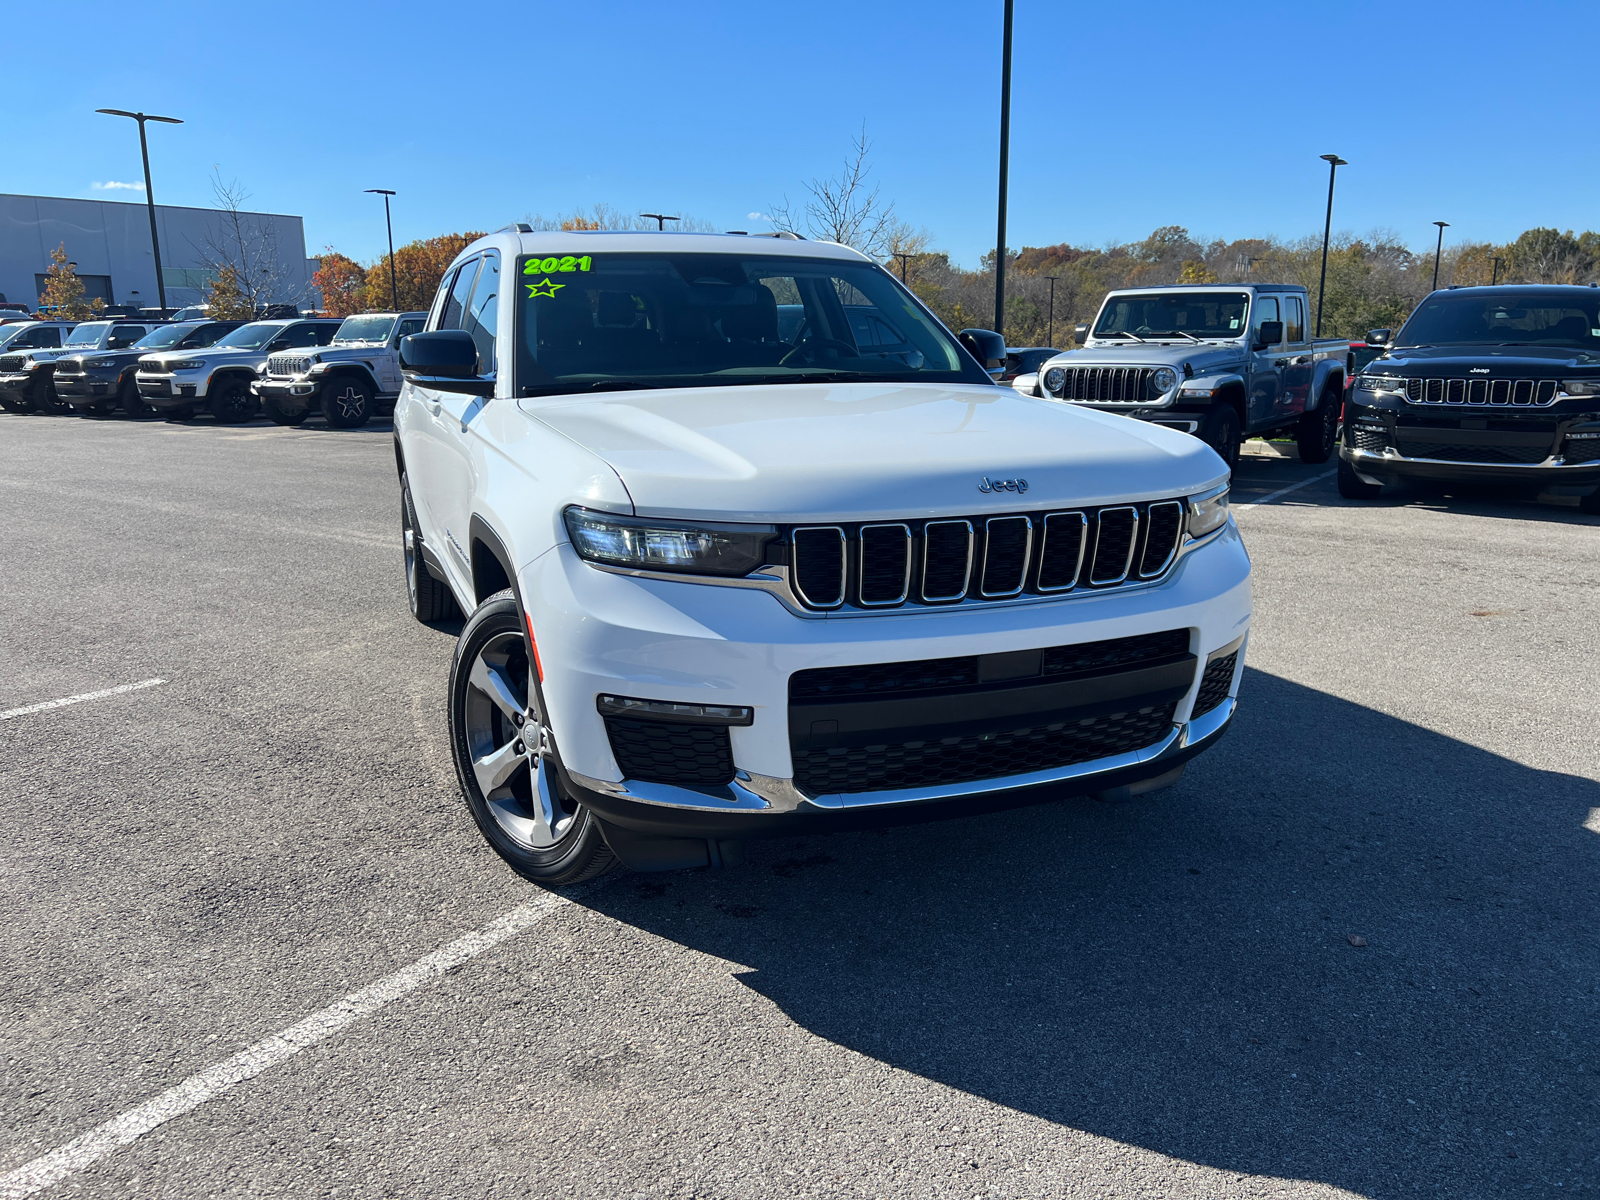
x: 1517, y: 392
x: 1362, y: 438
x: 1107, y: 385
x: 1214, y: 685
x: 983, y: 756
x: 884, y: 565
x: 1476, y: 454
x: 1581, y: 450
x: 664, y: 752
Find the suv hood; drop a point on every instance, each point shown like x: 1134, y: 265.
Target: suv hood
x: 1521, y: 362
x: 871, y: 451
x: 209, y: 354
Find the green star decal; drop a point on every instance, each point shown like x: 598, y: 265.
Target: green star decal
x: 546, y: 287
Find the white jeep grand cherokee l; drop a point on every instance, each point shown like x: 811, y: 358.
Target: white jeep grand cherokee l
x: 723, y: 584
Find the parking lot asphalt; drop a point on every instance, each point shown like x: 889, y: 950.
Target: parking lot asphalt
x: 1352, y: 952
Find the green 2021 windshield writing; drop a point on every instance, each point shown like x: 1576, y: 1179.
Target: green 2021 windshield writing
x: 554, y: 266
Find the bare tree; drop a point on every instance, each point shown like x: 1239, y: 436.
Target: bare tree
x: 246, y: 245
x: 846, y: 209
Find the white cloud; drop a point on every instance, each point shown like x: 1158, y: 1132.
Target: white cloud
x: 112, y: 185
x: 755, y: 216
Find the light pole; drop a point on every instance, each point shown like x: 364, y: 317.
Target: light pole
x: 1050, y: 324
x: 660, y: 219
x: 1334, y: 163
x: 1005, y: 162
x: 394, y: 287
x: 149, y: 188
x: 902, y: 258
x: 1497, y: 261
x: 1438, y: 250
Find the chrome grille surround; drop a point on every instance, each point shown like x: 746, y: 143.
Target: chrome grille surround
x: 1106, y: 385
x: 1490, y: 393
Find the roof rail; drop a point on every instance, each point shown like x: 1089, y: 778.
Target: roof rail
x: 780, y: 233
x: 516, y: 227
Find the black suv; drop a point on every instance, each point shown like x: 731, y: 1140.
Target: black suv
x: 97, y: 383
x: 1486, y: 384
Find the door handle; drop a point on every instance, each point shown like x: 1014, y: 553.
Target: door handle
x: 1282, y: 362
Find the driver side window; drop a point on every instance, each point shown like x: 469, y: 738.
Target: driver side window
x: 1266, y: 310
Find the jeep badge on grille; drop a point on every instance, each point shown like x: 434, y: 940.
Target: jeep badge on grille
x: 1003, y: 485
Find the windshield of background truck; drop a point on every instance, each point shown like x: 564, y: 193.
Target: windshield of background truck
x: 249, y: 337
x: 364, y: 329
x: 1199, y: 314
x: 700, y: 320
x: 87, y: 335
x: 9, y: 333
x: 1532, y: 320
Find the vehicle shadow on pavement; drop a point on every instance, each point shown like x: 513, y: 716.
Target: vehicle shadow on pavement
x: 1184, y: 972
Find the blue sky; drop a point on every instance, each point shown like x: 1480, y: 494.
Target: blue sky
x: 1124, y: 117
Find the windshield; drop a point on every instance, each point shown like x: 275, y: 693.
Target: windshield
x: 364, y: 329
x: 1462, y: 319
x: 162, y: 338
x: 701, y: 320
x: 87, y: 335
x: 1198, y: 314
x: 249, y: 337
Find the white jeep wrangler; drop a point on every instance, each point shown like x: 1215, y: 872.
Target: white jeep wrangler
x: 724, y: 584
x: 354, y: 379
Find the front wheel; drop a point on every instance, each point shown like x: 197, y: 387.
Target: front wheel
x: 16, y: 404
x: 1220, y: 431
x: 272, y: 408
x: 1353, y: 487
x: 506, y: 759
x: 346, y: 403
x: 1318, y: 431
x: 132, y: 403
x: 231, y: 401
x: 46, y: 400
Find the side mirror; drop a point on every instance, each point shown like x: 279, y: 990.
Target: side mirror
x: 445, y: 360
x: 1270, y: 333
x: 988, y: 347
x: 1380, y: 336
x: 1028, y: 385
x: 1080, y: 334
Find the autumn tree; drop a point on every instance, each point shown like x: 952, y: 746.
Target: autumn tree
x: 63, y: 290
x: 342, y: 282
x: 246, y: 244
x: 226, y: 299
x: 418, y: 268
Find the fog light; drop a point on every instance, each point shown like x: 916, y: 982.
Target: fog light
x: 669, y: 710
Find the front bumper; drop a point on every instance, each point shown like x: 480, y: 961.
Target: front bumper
x: 1392, y: 467
x: 607, y: 634
x: 15, y: 383
x: 172, y: 390
x: 290, y: 394
x: 84, y: 387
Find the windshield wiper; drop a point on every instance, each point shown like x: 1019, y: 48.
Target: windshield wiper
x: 1179, y: 333
x: 1121, y: 333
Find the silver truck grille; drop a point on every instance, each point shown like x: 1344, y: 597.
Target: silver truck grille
x: 892, y: 564
x: 12, y: 362
x: 287, y: 365
x: 1107, y: 385
x: 1522, y: 393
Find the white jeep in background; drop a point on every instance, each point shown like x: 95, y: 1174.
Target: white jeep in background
x: 726, y: 579
x: 356, y: 377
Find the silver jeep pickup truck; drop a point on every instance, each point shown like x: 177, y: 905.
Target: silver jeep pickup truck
x: 1223, y: 361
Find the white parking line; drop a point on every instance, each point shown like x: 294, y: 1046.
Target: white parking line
x: 66, y: 700
x: 1271, y: 496
x: 129, y: 1127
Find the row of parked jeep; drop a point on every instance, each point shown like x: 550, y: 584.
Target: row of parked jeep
x: 286, y: 370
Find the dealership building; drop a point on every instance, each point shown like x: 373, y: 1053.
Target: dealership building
x: 109, y: 240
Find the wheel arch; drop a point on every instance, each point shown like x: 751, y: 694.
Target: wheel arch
x: 1232, y: 393
x: 347, y: 369
x: 1329, y: 375
x: 491, y: 563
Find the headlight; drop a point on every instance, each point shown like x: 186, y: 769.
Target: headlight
x: 1163, y: 380
x: 1054, y: 380
x: 1391, y: 384
x: 651, y: 545
x: 101, y: 363
x: 1581, y: 387
x: 1208, y: 512
x: 187, y: 364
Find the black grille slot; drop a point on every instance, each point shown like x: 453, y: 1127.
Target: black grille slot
x: 947, y: 560
x: 1006, y: 543
x: 885, y: 563
x: 1061, y: 554
x: 983, y: 756
x: 1585, y: 450
x: 1363, y: 438
x: 1113, y: 545
x: 1116, y: 654
x: 1163, y: 525
x: 67, y: 366
x: 664, y: 752
x: 819, y: 566
x: 1475, y: 454
x: 1214, y: 684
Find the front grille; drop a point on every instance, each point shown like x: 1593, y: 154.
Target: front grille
x: 886, y: 565
x: 1582, y: 451
x: 12, y: 362
x: 665, y: 752
x: 913, y: 764
x: 1375, y: 440
x: 876, y: 681
x: 1214, y: 685
x: 1107, y: 385
x: 1446, y: 452
x: 69, y: 366
x: 288, y: 365
x: 1493, y: 392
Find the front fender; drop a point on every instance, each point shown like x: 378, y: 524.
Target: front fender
x: 335, y: 370
x: 1214, y: 384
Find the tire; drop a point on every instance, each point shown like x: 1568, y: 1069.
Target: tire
x: 506, y: 760
x: 1353, y: 487
x: 1220, y: 431
x: 132, y: 403
x: 1318, y: 432
x: 1591, y: 503
x: 272, y: 408
x: 430, y: 599
x: 347, y: 402
x: 45, y: 399
x: 16, y: 404
x: 230, y: 401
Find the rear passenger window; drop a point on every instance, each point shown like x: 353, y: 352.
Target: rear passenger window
x: 42, y: 338
x: 1294, y: 329
x: 323, y: 334
x: 455, y: 304
x: 124, y: 335
x: 483, y: 311
x: 407, y: 328
x: 298, y: 335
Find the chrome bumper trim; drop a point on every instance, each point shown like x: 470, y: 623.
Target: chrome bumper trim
x: 1555, y: 462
